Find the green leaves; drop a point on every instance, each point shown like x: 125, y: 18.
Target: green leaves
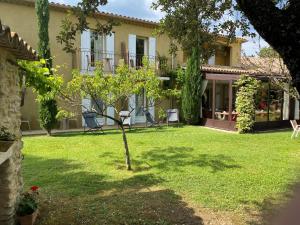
x: 245, y: 102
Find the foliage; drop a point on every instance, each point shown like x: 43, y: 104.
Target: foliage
x: 245, y: 102
x: 42, y: 11
x: 5, y: 135
x: 47, y: 113
x: 197, y: 23
x: 46, y: 85
x: 28, y: 203
x: 162, y: 114
x: 191, y: 90
x: 64, y: 114
x: 168, y: 163
x: 115, y: 89
x: 80, y: 13
x: 268, y: 52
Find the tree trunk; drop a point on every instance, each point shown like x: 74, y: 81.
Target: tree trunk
x: 280, y: 28
x: 127, y: 154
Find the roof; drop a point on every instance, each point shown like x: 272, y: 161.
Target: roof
x: 15, y: 44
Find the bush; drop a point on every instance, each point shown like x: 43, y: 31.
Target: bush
x: 245, y: 103
x: 48, y: 112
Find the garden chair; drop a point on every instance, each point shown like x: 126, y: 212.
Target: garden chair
x: 126, y: 118
x: 91, y: 122
x: 172, y: 116
x: 149, y: 119
x: 296, y: 128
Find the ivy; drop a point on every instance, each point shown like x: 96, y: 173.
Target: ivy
x: 245, y: 103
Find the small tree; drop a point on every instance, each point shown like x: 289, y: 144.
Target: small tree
x: 191, y: 91
x: 114, y: 90
x: 245, y: 103
x: 48, y: 107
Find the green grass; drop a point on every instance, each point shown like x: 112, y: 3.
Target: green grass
x: 176, y: 171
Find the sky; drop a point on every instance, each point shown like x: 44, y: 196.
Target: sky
x: 142, y: 9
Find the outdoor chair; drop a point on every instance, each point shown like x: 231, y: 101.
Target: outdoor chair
x: 126, y: 118
x: 172, y: 116
x: 296, y: 128
x: 149, y: 119
x: 91, y: 123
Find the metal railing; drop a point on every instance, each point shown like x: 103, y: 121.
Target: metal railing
x: 89, y: 59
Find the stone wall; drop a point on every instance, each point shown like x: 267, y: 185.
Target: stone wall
x: 10, y: 117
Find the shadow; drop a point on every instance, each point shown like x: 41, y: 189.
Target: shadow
x: 283, y: 210
x: 71, y: 195
x: 175, y: 158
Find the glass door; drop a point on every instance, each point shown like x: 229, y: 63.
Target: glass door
x: 140, y: 104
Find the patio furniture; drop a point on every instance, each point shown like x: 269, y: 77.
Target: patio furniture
x: 149, y: 119
x: 172, y: 116
x: 296, y: 128
x: 126, y: 118
x: 91, y: 122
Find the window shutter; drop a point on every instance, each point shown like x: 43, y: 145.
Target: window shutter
x: 132, y: 49
x: 152, y: 50
x: 132, y: 107
x: 85, y: 50
x: 212, y: 60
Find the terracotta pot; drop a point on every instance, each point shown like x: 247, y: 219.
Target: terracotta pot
x: 29, y: 219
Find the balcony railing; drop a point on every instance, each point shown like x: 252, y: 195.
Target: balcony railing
x: 89, y: 60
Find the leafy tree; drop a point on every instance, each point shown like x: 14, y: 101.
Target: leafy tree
x: 191, y: 90
x: 277, y: 21
x: 81, y: 12
x: 48, y: 107
x: 268, y: 52
x: 114, y: 90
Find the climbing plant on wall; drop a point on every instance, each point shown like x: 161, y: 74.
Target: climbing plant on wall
x: 245, y: 103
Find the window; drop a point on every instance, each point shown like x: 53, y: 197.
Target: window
x: 207, y: 100
x: 97, y: 48
x: 275, y: 103
x: 222, y: 100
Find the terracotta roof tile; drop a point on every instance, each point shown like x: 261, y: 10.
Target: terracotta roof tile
x: 16, y: 44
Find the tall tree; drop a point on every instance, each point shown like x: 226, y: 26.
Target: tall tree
x: 48, y: 107
x: 191, y: 90
x: 277, y: 21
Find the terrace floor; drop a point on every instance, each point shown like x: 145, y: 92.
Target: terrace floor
x: 188, y: 175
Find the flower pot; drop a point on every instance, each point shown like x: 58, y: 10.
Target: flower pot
x: 28, y: 219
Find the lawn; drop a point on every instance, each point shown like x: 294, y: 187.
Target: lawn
x: 188, y: 175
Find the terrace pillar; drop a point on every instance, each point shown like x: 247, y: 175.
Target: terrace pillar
x: 286, y: 104
x: 297, y: 109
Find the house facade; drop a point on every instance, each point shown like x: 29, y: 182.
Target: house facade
x: 130, y: 41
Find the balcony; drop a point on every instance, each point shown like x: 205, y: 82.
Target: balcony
x: 89, y: 60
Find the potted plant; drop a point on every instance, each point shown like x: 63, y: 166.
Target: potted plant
x: 27, y: 210
x: 6, y: 139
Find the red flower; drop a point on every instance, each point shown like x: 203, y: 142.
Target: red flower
x: 34, y: 188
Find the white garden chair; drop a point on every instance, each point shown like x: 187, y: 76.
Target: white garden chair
x: 296, y: 128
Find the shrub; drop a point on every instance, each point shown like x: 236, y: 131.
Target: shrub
x: 245, y: 103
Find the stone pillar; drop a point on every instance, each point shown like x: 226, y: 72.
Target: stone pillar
x: 286, y: 103
x: 10, y: 117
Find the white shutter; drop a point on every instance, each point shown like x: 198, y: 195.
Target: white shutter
x: 85, y: 50
x: 152, y: 50
x: 212, y: 60
x: 110, y: 50
x: 86, y: 106
x: 132, y: 107
x: 297, y: 109
x: 132, y: 49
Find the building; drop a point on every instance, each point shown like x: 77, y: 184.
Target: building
x: 130, y: 41
x: 12, y: 48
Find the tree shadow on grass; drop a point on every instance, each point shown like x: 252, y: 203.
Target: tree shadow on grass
x: 282, y: 210
x: 71, y: 195
x: 176, y: 158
